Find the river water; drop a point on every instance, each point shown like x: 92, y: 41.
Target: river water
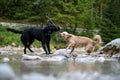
x: 64, y: 70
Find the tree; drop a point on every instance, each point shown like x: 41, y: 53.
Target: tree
x: 111, y: 22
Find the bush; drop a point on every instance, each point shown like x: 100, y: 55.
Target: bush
x: 19, y: 16
x: 34, y: 18
x: 109, y: 31
x: 8, y: 37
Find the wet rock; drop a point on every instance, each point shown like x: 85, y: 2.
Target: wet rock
x: 6, y: 72
x: 116, y: 55
x: 82, y: 55
x: 87, y: 59
x: 111, y: 48
x: 62, y: 52
x: 39, y: 54
x: 5, y: 59
x: 30, y: 57
x: 92, y: 59
x: 45, y: 58
x: 101, y: 59
x: 98, y: 54
x: 65, y: 53
x: 55, y: 58
x: 8, y: 52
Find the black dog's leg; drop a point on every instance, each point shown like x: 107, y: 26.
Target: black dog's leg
x: 28, y: 46
x: 24, y: 43
x: 44, y: 47
x: 48, y: 46
x: 25, y: 49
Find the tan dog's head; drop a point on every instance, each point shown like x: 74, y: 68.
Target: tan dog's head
x: 65, y: 35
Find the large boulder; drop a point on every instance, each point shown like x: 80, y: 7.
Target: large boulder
x: 111, y: 48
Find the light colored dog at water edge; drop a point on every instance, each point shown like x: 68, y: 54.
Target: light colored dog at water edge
x: 81, y: 41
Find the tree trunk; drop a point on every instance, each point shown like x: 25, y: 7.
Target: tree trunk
x: 74, y: 29
x: 101, y: 11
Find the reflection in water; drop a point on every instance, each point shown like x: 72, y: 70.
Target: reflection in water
x: 42, y: 70
x: 111, y: 67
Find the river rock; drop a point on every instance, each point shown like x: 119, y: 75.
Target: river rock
x: 55, y: 58
x: 62, y: 52
x: 5, y: 59
x: 6, y: 72
x: 31, y: 57
x: 111, y: 48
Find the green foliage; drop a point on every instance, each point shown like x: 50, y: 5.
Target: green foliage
x: 8, y: 37
x: 34, y: 18
x: 2, y: 29
x: 19, y: 16
x: 8, y: 40
x: 113, y: 12
x: 67, y: 12
x: 80, y: 17
x: 57, y: 41
x: 111, y: 22
x: 109, y: 31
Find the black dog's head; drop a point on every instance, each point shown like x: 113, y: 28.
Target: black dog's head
x: 50, y: 28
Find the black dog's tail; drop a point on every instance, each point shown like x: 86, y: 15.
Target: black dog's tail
x: 13, y: 30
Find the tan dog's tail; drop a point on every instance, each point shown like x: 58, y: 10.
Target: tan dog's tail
x: 98, y: 39
x: 97, y: 42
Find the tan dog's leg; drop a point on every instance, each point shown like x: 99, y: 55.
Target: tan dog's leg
x: 72, y: 46
x: 72, y: 50
x: 89, y: 49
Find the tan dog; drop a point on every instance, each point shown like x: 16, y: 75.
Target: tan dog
x: 80, y: 41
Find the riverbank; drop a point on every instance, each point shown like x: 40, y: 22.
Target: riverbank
x: 11, y: 50
x: 19, y: 25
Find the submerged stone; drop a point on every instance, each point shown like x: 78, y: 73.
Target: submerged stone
x: 6, y: 72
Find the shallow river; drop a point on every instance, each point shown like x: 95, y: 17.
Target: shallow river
x: 64, y: 70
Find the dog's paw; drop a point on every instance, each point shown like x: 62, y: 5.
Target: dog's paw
x: 68, y: 55
x: 50, y: 53
x: 74, y: 55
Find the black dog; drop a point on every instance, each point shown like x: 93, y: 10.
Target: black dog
x: 44, y: 35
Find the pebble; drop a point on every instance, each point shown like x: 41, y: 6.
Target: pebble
x: 5, y: 59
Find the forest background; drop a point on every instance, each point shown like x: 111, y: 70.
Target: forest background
x: 79, y: 17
